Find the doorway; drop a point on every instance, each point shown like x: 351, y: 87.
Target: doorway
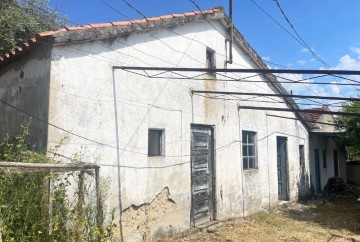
x: 202, y: 174
x: 317, y: 171
x: 282, y: 168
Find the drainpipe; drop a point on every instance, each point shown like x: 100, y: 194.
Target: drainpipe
x: 117, y: 154
x: 231, y: 33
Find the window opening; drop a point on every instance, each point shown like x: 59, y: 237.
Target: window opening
x: 156, y: 142
x: 249, y: 150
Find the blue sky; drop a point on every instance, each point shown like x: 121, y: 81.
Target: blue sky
x: 331, y: 28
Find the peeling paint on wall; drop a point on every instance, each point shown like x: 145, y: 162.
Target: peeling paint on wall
x: 139, y: 219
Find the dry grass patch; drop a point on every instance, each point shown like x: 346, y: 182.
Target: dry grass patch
x: 328, y: 219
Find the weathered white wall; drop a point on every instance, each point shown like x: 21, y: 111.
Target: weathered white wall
x: 325, y: 124
x: 85, y: 93
x: 324, y: 142
x: 24, y: 85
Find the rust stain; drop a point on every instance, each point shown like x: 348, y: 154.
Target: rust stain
x: 209, y: 85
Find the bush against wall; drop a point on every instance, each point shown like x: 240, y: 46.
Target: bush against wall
x: 48, y: 206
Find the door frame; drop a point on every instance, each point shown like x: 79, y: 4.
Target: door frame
x: 212, y: 204
x: 336, y: 163
x: 317, y: 170
x: 286, y: 169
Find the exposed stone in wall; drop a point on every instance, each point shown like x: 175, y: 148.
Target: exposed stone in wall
x: 137, y: 221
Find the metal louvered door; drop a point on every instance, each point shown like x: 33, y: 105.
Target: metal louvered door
x: 202, y: 170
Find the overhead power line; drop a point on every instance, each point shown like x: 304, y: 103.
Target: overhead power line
x: 299, y: 110
x: 244, y: 79
x: 202, y: 12
x: 297, y: 34
x: 221, y: 97
x: 277, y: 95
x: 72, y: 133
x: 133, y: 8
x: 262, y: 71
x: 299, y: 39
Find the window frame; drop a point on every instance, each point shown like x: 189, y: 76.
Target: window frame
x: 210, y: 62
x: 245, y: 143
x: 161, y: 144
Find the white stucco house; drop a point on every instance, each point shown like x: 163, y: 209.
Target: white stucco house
x: 175, y: 159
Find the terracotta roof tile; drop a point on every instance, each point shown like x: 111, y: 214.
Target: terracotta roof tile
x: 166, y: 17
x: 43, y: 35
x: 46, y: 33
x: 313, y: 117
x: 100, y: 25
x: 25, y: 45
x: 120, y: 23
x: 138, y: 21
x: 175, y: 15
x: 153, y: 19
x: 18, y: 50
x: 32, y: 40
x: 190, y: 14
x: 71, y: 28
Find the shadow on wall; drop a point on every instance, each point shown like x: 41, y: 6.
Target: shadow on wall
x: 304, y: 186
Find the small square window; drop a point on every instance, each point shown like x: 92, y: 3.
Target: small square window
x: 249, y: 150
x: 210, y: 60
x: 156, y: 142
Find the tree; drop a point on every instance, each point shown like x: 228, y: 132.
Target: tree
x: 20, y: 20
x: 351, y: 128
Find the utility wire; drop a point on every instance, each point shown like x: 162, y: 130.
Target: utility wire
x: 301, y: 39
x: 72, y: 133
x: 308, y: 47
x: 295, y: 38
x: 258, y: 101
x: 277, y: 95
x: 114, y: 10
x: 133, y: 8
x: 202, y: 12
x: 174, y: 33
x: 245, y: 79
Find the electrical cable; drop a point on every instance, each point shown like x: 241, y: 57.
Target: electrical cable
x: 72, y: 133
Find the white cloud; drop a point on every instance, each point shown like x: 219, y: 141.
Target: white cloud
x: 266, y: 58
x: 306, y: 49
x: 347, y: 62
x: 301, y: 62
x: 335, y: 89
x: 301, y: 88
x: 356, y: 50
x: 350, y: 62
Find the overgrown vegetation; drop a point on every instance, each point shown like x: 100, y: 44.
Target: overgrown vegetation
x: 33, y: 210
x: 20, y: 20
x: 351, y: 128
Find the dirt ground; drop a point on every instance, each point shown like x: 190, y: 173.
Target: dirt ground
x: 334, y: 218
